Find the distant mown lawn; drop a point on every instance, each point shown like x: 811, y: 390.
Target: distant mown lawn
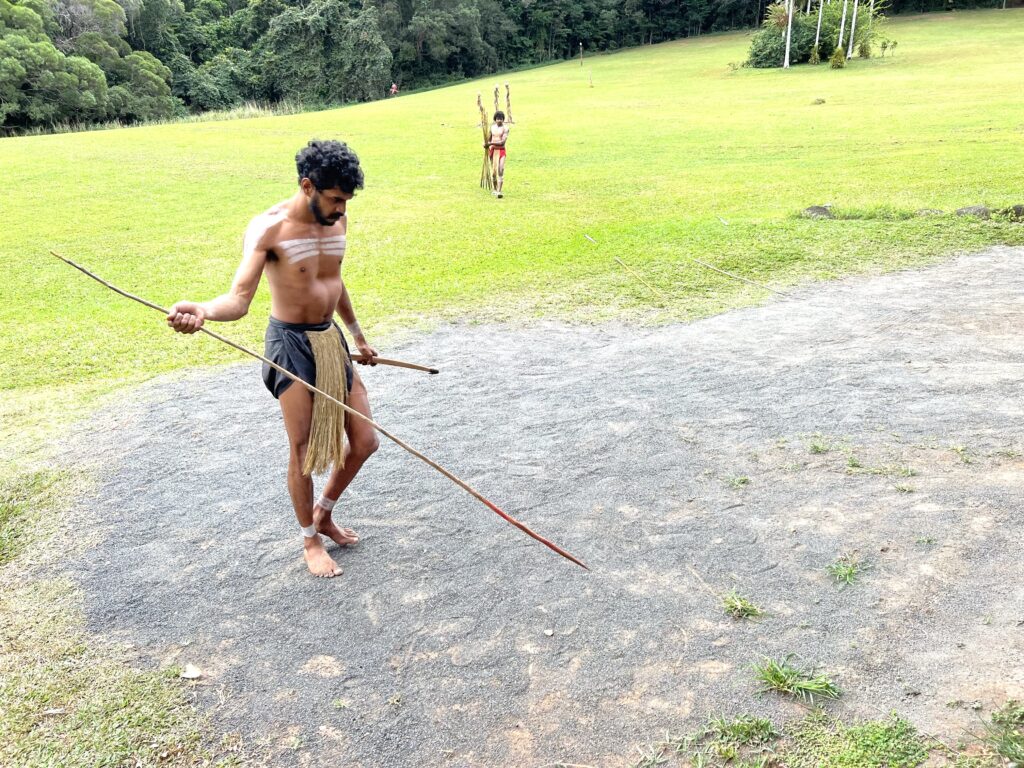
x: 669, y: 142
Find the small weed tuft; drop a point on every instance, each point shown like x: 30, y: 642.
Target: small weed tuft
x: 963, y: 453
x: 784, y: 677
x: 739, y: 482
x: 744, y: 730
x: 819, y: 446
x: 740, y: 607
x: 847, y: 568
x: 650, y: 757
x: 903, y: 488
x: 1005, y: 734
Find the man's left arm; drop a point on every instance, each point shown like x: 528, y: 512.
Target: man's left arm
x: 348, y: 317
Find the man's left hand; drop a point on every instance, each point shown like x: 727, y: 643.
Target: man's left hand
x: 367, y: 351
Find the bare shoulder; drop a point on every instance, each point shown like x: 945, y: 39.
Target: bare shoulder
x: 263, y: 228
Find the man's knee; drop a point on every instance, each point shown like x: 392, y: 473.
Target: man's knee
x: 297, y: 449
x: 364, y: 445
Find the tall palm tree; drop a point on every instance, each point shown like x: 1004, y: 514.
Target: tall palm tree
x: 817, y: 35
x: 853, y: 29
x: 791, y: 8
x: 842, y: 24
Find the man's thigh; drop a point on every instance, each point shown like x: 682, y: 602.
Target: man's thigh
x: 297, y: 408
x: 360, y: 401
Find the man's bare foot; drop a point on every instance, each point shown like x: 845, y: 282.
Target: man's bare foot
x: 325, y: 526
x: 319, y: 562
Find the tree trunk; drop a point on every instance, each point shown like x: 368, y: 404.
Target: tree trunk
x: 789, y: 32
x: 842, y: 24
x: 853, y: 29
x: 817, y: 35
x: 808, y: 9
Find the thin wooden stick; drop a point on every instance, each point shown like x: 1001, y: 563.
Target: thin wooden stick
x: 640, y: 278
x: 735, y: 277
x: 359, y: 358
x: 709, y: 266
x: 352, y: 411
x: 633, y: 272
x: 508, y: 105
x: 485, y: 174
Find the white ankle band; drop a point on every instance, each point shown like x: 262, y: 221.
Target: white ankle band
x: 309, y: 531
x: 326, y: 503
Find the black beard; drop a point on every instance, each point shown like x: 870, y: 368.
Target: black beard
x: 322, y: 220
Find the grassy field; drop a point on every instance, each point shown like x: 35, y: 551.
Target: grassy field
x: 667, y: 141
x: 671, y: 154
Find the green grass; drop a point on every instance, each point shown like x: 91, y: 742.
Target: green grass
x: 21, y: 499
x: 668, y: 141
x: 819, y: 741
x: 847, y: 569
x: 66, y: 699
x: 790, y: 679
x: 1005, y: 734
x: 740, y: 607
x: 744, y: 730
x: 813, y: 741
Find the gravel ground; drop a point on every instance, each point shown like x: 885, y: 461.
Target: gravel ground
x: 677, y: 462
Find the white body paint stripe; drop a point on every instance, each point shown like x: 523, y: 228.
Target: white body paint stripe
x: 295, y: 250
x: 305, y: 248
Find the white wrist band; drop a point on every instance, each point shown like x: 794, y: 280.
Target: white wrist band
x: 326, y: 503
x: 309, y: 531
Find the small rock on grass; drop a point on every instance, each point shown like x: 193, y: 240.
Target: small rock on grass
x: 975, y: 210
x: 818, y: 212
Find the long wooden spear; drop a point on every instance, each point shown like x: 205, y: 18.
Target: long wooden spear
x: 352, y: 411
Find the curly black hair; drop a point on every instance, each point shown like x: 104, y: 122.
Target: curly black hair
x: 499, y: 115
x: 329, y: 164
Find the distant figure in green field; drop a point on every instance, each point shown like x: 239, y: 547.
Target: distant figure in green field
x: 496, y: 150
x: 300, y: 244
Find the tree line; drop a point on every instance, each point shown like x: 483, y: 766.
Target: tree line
x: 86, y: 61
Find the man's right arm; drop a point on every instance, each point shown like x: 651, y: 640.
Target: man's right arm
x: 189, y: 316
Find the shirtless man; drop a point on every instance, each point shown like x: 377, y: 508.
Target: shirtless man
x: 496, y: 149
x: 300, y: 244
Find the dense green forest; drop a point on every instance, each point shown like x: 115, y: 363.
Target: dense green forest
x: 85, y: 61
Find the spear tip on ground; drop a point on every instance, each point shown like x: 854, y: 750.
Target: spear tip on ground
x: 433, y: 370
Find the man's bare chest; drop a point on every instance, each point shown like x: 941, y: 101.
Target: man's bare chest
x: 305, y: 250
